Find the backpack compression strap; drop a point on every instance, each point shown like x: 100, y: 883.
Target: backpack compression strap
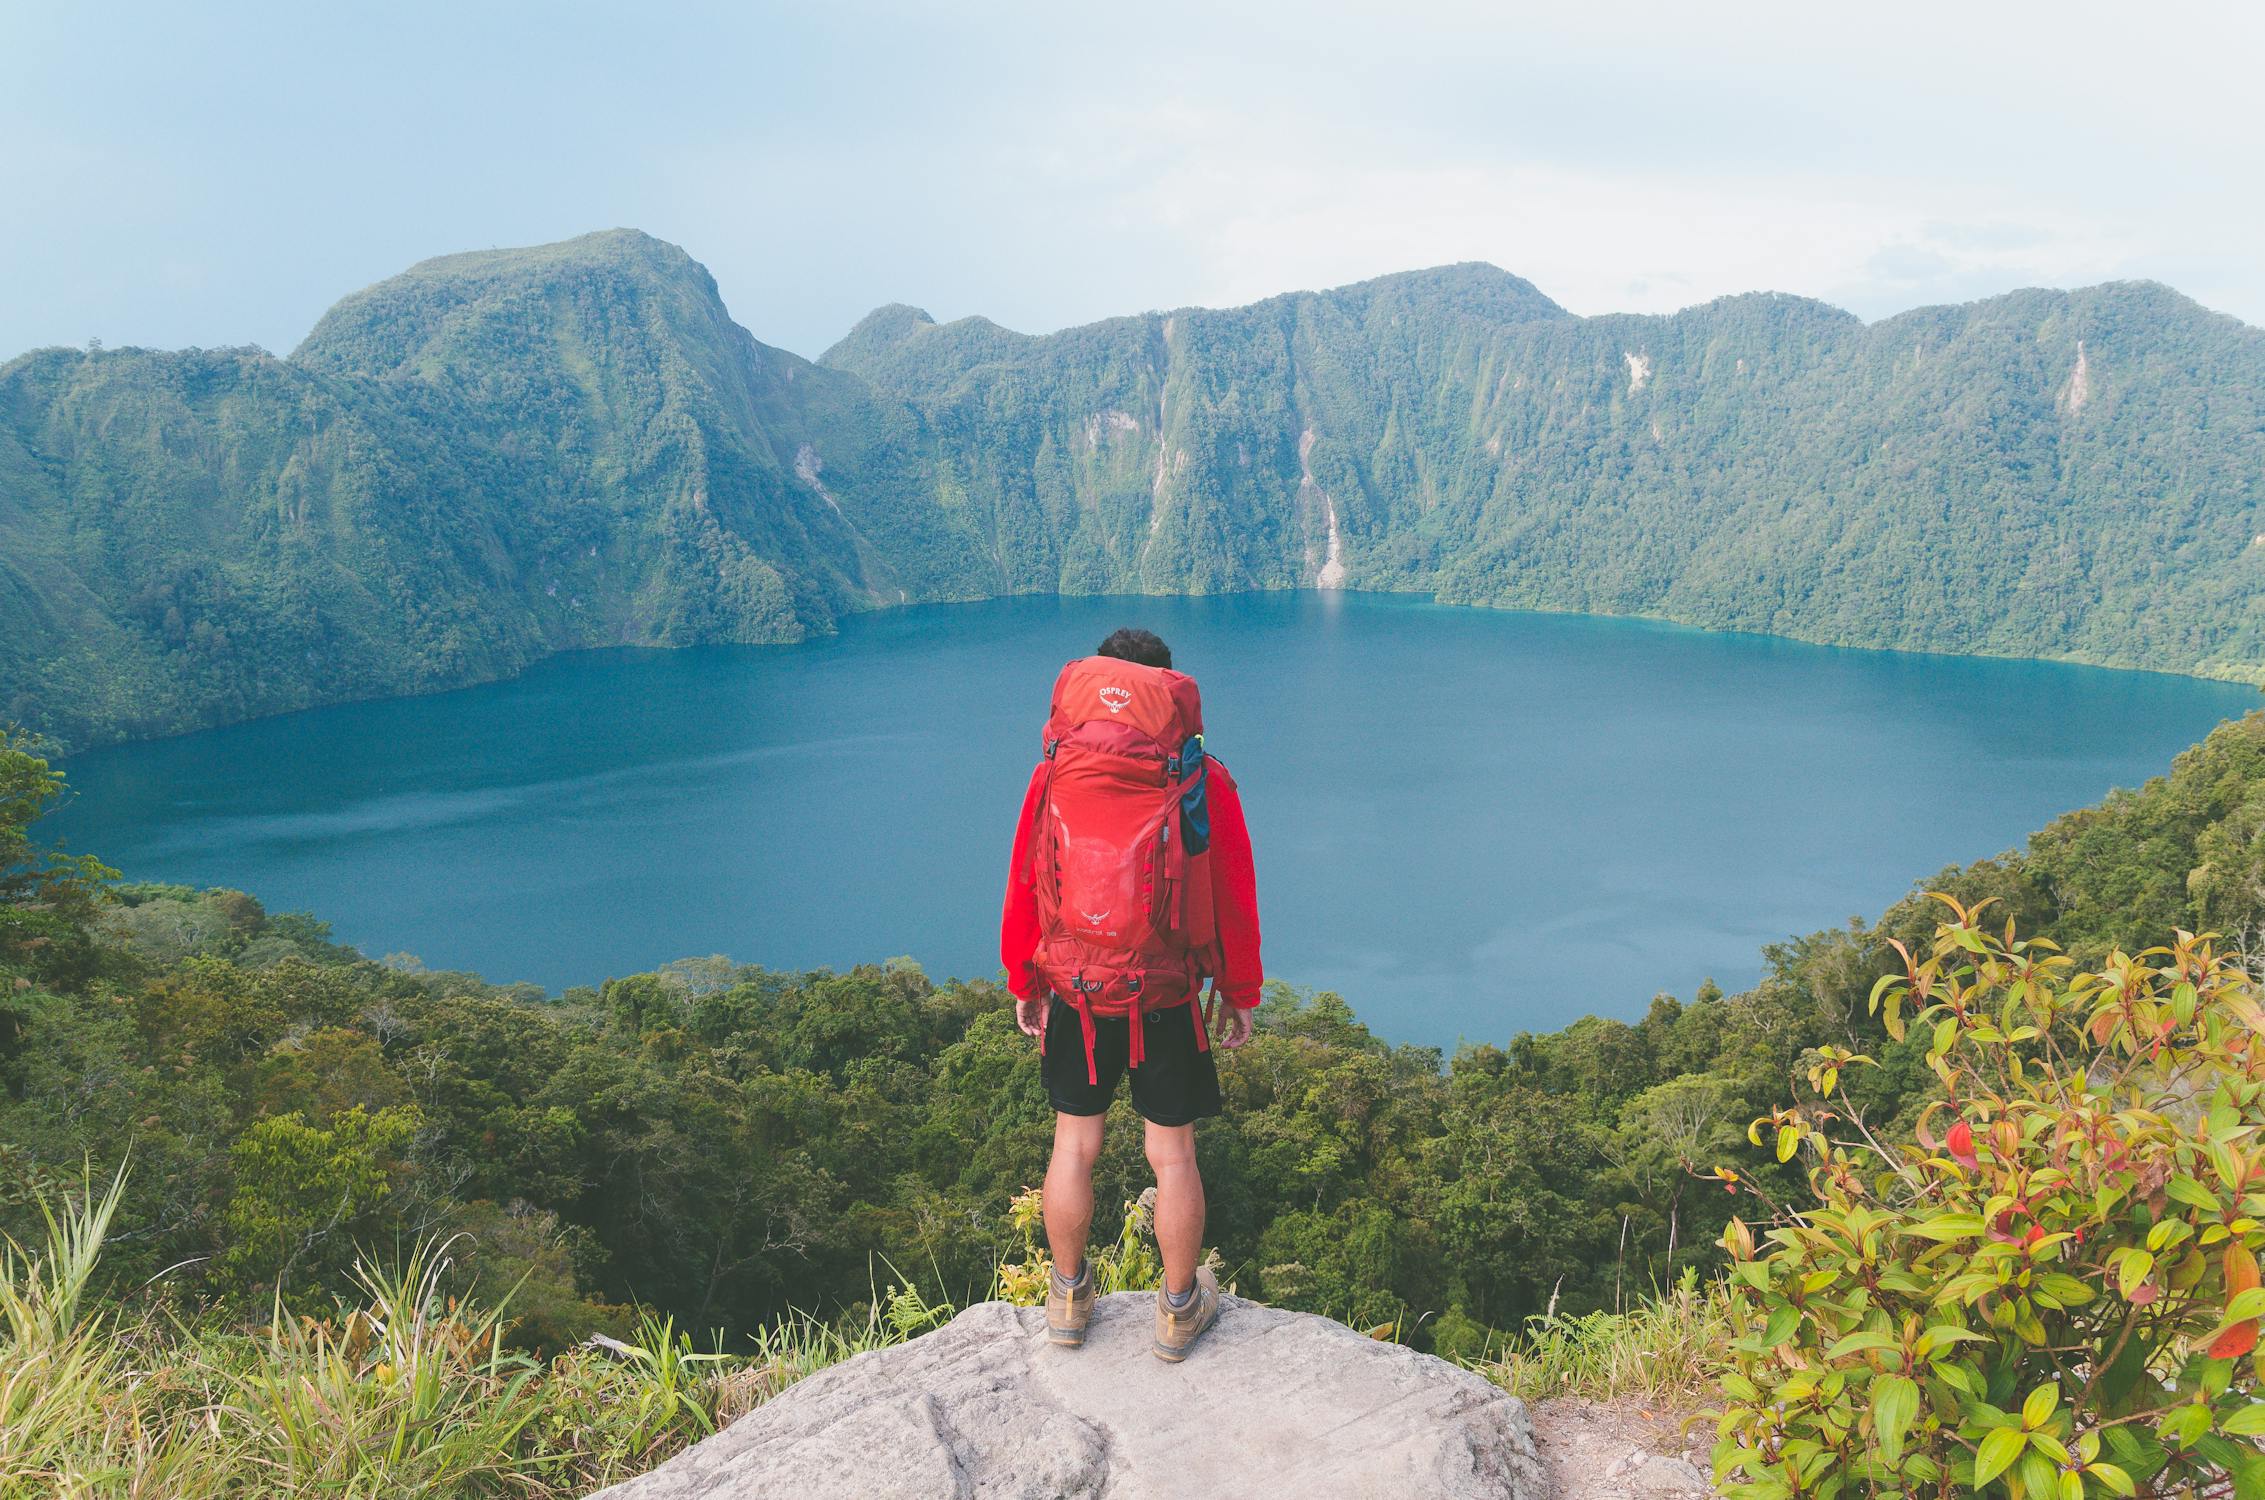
x: 1084, y: 1009
x: 1136, y: 1049
x: 1200, y: 1010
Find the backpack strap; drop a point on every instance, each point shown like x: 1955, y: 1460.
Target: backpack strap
x: 1081, y: 997
x: 1136, y: 1047
x: 1084, y: 1009
x: 1199, y: 1006
x: 1046, y: 847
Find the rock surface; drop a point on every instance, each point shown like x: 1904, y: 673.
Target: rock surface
x: 1273, y: 1404
x: 1621, y: 1450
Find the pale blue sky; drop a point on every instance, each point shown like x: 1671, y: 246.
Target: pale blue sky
x: 220, y: 173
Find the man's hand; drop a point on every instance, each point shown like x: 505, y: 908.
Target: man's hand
x: 1030, y: 1016
x: 1231, y: 1028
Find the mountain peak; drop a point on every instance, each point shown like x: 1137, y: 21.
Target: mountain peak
x: 900, y: 347
x: 414, y: 317
x: 887, y: 335
x: 894, y: 316
x: 619, y: 249
x: 883, y: 328
x: 1470, y: 288
x: 1467, y: 277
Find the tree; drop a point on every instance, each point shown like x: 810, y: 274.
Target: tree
x: 305, y: 1192
x: 47, y: 899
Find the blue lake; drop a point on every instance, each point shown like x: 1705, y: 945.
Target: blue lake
x: 1468, y: 822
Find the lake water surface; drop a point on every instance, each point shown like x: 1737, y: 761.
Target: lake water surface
x: 1468, y: 822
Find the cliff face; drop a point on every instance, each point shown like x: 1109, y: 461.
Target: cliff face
x: 1273, y: 1404
x: 499, y: 455
x: 2064, y: 474
x: 1200, y: 450
x: 487, y: 459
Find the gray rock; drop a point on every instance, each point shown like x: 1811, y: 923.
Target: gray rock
x: 1272, y: 1404
x: 1659, y: 1477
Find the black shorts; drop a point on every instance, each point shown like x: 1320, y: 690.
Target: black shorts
x: 1175, y: 1084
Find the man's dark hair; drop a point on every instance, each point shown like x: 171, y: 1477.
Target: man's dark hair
x: 1142, y: 646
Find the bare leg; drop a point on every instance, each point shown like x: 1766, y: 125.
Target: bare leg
x: 1069, y: 1189
x: 1179, y: 1203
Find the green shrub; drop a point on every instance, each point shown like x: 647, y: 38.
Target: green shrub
x: 1458, y: 1337
x: 2054, y: 1292
x: 1130, y: 1263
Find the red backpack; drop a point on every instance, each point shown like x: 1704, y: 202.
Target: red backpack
x: 1121, y: 856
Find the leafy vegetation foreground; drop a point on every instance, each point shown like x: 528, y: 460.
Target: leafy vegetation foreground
x: 727, y: 1150
x: 2053, y: 1287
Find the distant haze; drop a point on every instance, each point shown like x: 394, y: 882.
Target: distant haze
x: 214, y: 175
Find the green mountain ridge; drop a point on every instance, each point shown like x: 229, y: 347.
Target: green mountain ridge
x: 504, y: 454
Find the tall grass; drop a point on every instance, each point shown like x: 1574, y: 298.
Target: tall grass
x: 407, y: 1391
x: 1664, y: 1352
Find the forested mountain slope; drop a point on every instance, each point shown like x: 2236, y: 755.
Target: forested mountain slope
x: 504, y: 454
x: 488, y: 459
x: 2045, y: 473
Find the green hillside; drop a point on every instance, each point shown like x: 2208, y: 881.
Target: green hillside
x: 485, y: 460
x: 500, y: 455
x: 1945, y: 480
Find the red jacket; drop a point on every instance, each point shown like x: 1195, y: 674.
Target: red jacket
x: 1234, y: 896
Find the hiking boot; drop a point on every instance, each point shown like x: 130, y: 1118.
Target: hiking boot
x: 1177, y: 1329
x: 1069, y: 1307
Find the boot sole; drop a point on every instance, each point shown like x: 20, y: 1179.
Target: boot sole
x: 1066, y: 1338
x: 1173, y: 1354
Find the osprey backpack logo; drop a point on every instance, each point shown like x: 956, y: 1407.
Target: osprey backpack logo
x: 1114, y: 699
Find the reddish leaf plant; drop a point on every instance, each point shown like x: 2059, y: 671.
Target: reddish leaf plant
x: 2054, y: 1291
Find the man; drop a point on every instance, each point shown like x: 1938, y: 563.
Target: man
x: 1131, y: 885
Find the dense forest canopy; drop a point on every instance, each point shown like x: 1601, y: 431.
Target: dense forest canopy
x: 723, y: 1142
x: 499, y: 455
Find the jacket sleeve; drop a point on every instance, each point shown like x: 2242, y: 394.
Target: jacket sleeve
x: 1234, y: 894
x: 1018, y: 920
